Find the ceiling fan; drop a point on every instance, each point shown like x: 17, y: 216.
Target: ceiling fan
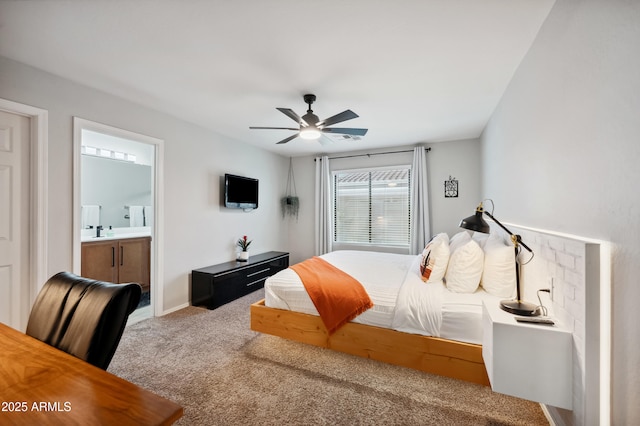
x: 311, y: 127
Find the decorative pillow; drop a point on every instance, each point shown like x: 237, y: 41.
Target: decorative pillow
x: 458, y: 240
x: 465, y: 268
x: 481, y: 238
x: 499, y: 275
x: 435, y: 258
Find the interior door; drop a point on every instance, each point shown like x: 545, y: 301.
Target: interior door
x: 14, y: 219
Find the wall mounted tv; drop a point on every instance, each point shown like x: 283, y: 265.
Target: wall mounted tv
x: 240, y: 192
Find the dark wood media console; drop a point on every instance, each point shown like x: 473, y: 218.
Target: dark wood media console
x: 216, y: 285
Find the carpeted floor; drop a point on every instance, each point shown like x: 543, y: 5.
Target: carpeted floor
x: 223, y: 373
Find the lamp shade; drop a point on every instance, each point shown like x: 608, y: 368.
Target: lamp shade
x: 476, y: 223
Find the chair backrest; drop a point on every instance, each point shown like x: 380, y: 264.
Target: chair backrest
x: 83, y: 317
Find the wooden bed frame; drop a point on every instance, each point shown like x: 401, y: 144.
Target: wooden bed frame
x: 429, y: 354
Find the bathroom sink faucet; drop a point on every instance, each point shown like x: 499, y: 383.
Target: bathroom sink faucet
x: 98, y: 229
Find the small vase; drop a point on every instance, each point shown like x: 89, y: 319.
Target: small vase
x: 243, y: 256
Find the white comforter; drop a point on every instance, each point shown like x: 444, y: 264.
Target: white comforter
x: 402, y: 301
x: 418, y: 305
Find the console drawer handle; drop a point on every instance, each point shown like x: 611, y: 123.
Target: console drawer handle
x: 259, y: 272
x: 254, y: 282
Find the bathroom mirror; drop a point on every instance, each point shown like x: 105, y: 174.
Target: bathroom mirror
x: 116, y: 183
x: 116, y: 189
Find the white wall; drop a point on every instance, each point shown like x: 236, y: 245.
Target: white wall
x: 561, y: 152
x: 301, y: 231
x: 198, y: 231
x: 460, y: 159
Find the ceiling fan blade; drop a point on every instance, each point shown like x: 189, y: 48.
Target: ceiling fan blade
x: 346, y: 131
x: 292, y: 115
x: 285, y: 140
x: 338, y: 118
x: 275, y: 128
x: 325, y: 140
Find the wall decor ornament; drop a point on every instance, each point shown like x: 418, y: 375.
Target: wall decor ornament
x: 290, y: 203
x: 451, y: 188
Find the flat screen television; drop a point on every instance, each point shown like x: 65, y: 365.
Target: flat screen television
x: 240, y: 192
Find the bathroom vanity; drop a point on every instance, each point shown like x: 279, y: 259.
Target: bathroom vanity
x: 118, y: 260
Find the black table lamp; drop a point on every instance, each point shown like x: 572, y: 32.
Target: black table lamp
x: 478, y: 224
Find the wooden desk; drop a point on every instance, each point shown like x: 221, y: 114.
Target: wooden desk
x: 40, y: 384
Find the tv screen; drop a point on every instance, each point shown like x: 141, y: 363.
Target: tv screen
x: 240, y: 192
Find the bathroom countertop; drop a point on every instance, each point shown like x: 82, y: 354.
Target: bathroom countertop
x: 121, y: 236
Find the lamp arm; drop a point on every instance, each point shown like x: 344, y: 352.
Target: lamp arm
x: 518, y: 239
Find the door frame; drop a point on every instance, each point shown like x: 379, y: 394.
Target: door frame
x: 38, y: 188
x: 157, y: 246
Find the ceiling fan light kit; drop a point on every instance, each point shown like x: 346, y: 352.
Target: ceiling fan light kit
x: 311, y: 127
x: 310, y: 133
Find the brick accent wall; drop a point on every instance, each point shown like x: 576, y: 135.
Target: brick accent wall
x: 570, y: 267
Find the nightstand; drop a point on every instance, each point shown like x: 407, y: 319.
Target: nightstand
x: 529, y: 361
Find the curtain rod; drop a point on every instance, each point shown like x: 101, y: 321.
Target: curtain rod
x: 374, y: 153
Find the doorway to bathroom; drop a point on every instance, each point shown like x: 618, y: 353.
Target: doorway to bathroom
x: 117, y: 192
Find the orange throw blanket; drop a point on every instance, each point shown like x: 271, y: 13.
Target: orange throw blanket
x: 337, y: 296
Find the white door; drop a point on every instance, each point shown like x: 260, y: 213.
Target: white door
x: 14, y: 219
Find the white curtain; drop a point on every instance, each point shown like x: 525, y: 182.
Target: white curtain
x: 420, y: 230
x: 323, y: 220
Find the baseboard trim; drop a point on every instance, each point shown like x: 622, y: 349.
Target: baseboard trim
x: 553, y: 420
x: 175, y: 308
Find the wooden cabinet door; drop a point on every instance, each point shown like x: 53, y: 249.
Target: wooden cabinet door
x: 100, y: 261
x: 134, y: 259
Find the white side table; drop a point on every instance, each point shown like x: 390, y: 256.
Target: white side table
x: 529, y: 361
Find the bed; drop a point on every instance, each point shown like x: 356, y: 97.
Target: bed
x: 414, y: 324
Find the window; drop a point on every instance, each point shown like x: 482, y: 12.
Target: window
x: 372, y: 206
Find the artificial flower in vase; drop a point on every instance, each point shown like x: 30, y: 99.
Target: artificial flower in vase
x: 243, y: 243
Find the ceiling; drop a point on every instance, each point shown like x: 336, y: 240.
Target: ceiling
x: 414, y: 71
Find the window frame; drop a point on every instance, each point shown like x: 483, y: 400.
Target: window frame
x: 371, y: 246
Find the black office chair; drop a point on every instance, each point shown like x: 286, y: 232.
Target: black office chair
x: 83, y: 317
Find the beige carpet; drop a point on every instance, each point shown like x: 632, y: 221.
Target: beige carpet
x: 223, y: 373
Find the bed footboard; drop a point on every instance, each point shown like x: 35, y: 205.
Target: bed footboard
x: 429, y: 354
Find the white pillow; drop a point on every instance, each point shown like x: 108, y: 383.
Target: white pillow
x: 481, y: 238
x: 499, y: 274
x: 435, y: 258
x: 465, y: 268
x: 458, y: 240
x: 441, y: 235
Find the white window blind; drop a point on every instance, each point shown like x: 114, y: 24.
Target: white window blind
x: 372, y: 206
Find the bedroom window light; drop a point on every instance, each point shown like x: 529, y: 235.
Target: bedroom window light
x: 372, y: 206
